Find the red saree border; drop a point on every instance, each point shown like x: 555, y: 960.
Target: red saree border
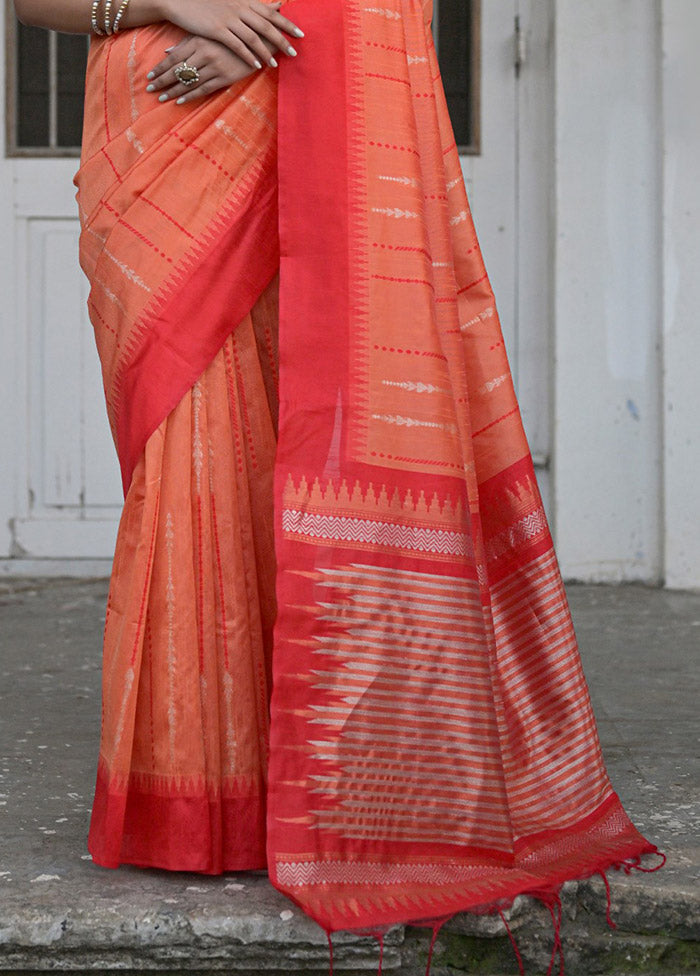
x: 234, y: 264
x: 128, y: 824
x: 356, y: 902
x: 312, y: 153
x: 314, y: 304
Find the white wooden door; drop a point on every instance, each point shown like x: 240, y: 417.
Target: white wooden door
x: 69, y: 496
x: 60, y: 494
x: 490, y: 176
x: 66, y: 498
x: 509, y: 192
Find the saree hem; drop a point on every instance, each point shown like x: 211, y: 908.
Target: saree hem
x: 487, y: 886
x: 204, y: 833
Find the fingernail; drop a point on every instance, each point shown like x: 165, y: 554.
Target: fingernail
x: 273, y: 63
x: 163, y: 97
x: 298, y: 32
x: 150, y: 88
x: 258, y: 65
x: 180, y: 100
x: 151, y: 74
x: 290, y: 50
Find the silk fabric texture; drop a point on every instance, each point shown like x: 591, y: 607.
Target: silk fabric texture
x: 337, y: 641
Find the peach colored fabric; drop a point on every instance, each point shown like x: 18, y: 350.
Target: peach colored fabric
x: 179, y: 226
x: 188, y: 633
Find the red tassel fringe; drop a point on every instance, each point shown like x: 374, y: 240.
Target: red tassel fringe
x: 551, y: 899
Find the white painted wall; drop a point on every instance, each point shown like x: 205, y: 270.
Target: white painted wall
x: 9, y: 405
x: 607, y: 291
x: 681, y: 290
x: 533, y: 251
x: 509, y: 197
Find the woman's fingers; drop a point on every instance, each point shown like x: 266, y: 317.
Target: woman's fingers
x: 244, y: 26
x: 181, y: 52
x: 206, y: 88
x: 227, y: 50
x: 263, y: 28
x: 238, y: 47
x: 270, y: 12
x: 249, y: 35
x: 253, y: 41
x: 217, y: 67
x: 176, y: 90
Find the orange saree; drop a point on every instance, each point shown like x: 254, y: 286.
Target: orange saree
x: 337, y: 642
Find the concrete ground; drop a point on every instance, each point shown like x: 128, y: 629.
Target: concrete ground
x: 58, y: 911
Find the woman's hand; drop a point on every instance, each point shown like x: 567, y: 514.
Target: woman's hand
x: 250, y: 29
x: 217, y: 65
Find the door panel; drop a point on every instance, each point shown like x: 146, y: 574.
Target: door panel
x: 509, y: 191
x: 68, y: 497
x: 491, y: 175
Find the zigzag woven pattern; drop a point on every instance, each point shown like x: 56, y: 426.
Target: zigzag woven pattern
x: 524, y: 530
x: 343, y: 528
x: 299, y: 873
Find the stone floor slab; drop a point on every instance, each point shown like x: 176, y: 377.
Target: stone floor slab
x: 58, y: 911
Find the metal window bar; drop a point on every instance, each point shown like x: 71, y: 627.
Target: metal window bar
x: 53, y: 95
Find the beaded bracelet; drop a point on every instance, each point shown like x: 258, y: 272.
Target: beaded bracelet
x: 95, y: 26
x: 120, y: 13
x: 108, y: 9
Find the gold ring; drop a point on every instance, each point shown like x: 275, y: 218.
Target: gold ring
x: 186, y: 74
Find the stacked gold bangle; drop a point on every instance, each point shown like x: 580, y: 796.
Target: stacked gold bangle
x: 95, y: 26
x: 120, y: 13
x: 109, y: 26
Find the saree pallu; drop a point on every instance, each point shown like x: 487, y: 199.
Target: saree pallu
x: 329, y: 498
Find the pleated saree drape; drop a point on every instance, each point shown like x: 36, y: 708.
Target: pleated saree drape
x: 337, y: 642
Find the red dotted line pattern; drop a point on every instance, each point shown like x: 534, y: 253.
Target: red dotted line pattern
x: 137, y: 233
x: 388, y: 145
x: 412, y: 460
x: 411, y: 352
